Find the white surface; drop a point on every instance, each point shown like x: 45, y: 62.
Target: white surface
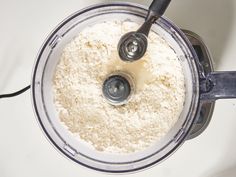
x: 24, y: 151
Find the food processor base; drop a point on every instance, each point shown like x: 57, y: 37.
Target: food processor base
x: 205, y: 109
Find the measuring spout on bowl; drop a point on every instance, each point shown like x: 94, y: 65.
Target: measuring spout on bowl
x: 218, y: 85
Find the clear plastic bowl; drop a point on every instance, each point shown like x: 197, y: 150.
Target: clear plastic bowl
x: 42, y: 95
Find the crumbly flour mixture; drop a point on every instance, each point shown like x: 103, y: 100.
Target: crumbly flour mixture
x: 150, y: 113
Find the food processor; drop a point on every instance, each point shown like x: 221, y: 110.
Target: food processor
x: 203, y: 86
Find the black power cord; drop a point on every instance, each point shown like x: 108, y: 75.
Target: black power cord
x: 15, y: 93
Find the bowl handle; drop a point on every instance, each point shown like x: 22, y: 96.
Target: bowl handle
x: 218, y: 85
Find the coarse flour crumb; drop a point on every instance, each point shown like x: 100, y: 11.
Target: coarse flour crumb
x: 151, y: 112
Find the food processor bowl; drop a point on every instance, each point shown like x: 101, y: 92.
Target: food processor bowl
x: 42, y: 91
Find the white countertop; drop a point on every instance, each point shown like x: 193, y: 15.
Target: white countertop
x: 24, y: 151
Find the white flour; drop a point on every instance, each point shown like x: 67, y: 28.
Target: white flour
x: 150, y: 113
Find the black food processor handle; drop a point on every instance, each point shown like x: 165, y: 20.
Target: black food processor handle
x: 218, y: 85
